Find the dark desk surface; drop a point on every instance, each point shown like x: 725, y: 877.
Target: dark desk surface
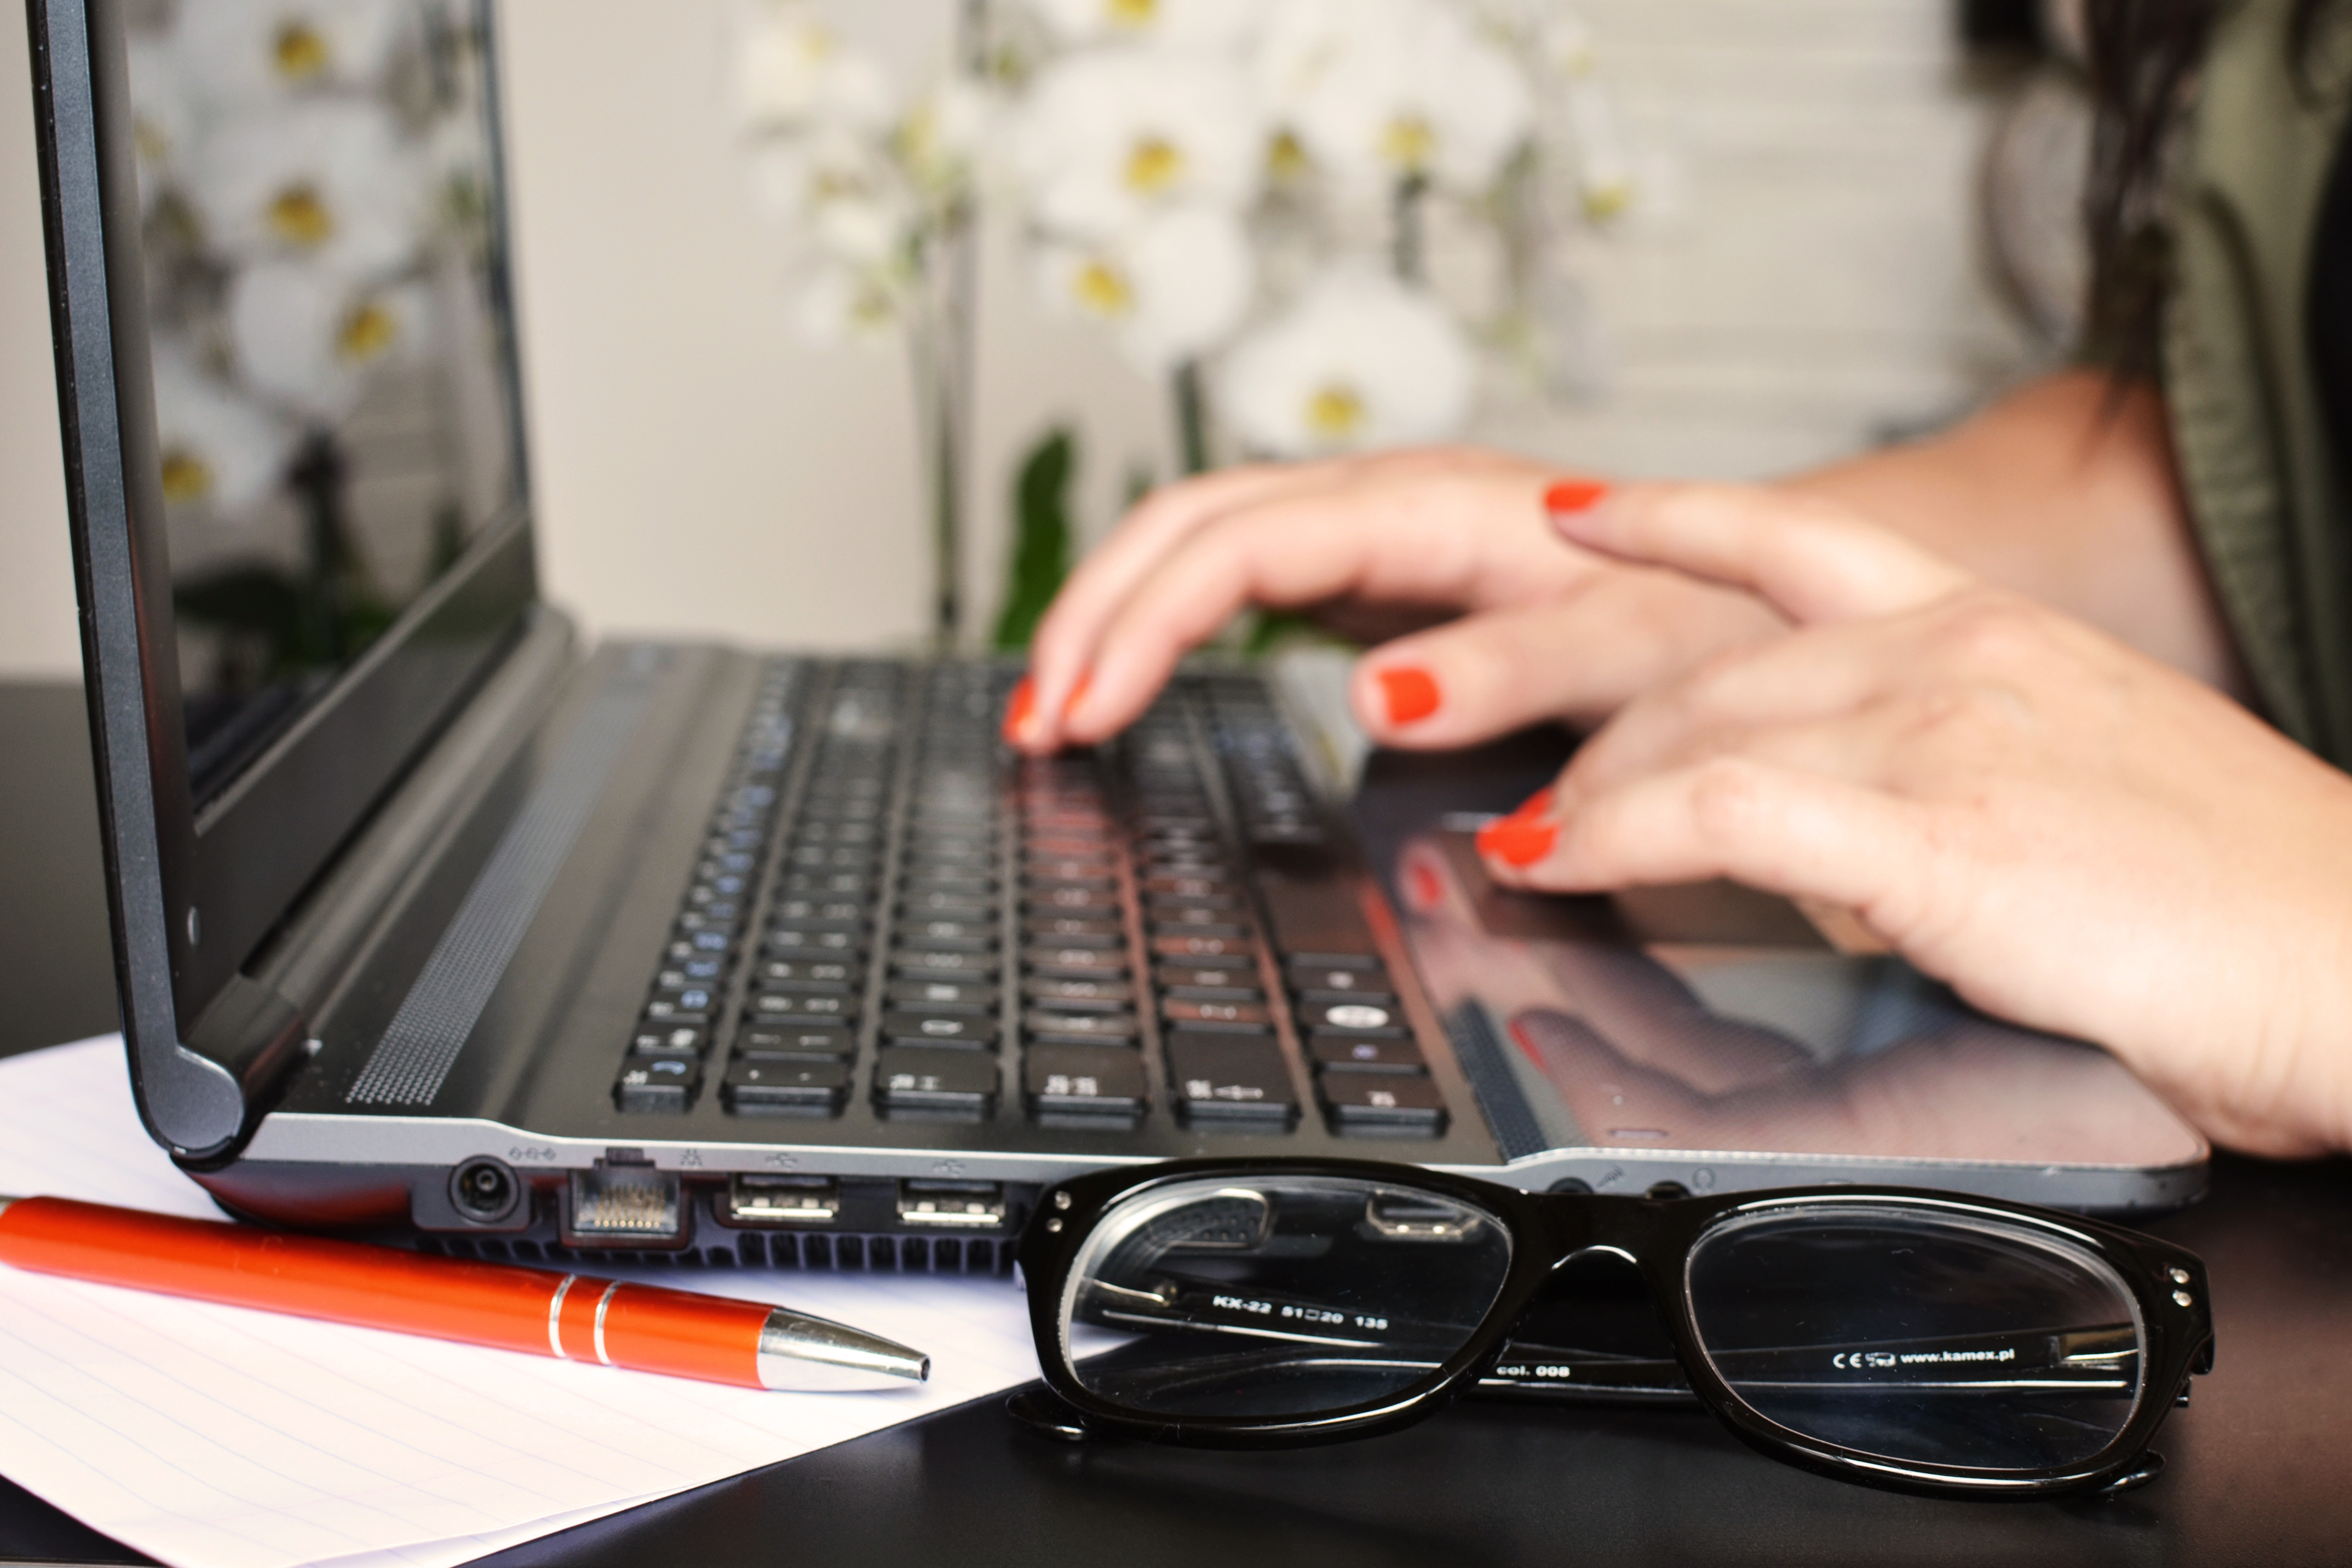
x: 2257, y: 1473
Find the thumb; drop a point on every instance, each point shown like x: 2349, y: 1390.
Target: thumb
x: 1812, y: 558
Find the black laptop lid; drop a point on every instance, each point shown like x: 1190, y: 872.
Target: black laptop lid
x: 294, y: 465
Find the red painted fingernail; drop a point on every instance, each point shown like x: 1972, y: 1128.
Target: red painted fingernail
x: 1077, y: 694
x: 1517, y: 841
x: 1019, y: 709
x: 1410, y: 693
x: 1574, y: 495
x: 1534, y: 804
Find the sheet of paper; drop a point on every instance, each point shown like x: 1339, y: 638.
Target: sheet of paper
x: 217, y: 1438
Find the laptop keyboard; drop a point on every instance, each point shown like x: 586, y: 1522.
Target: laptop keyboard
x: 893, y: 904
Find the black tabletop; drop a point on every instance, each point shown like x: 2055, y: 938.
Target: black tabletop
x: 2256, y: 1471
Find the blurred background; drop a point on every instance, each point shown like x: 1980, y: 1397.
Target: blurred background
x: 1784, y: 233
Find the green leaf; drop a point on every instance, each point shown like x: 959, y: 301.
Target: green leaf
x: 1041, y: 538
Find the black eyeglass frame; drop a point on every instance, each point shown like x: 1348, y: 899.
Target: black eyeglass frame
x: 1657, y: 1237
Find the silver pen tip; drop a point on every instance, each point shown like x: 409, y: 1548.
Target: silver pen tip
x: 810, y: 1354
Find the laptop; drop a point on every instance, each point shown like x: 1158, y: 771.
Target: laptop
x: 432, y: 923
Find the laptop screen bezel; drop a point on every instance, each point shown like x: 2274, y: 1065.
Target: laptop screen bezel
x: 217, y: 876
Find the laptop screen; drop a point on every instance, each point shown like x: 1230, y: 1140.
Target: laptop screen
x: 335, y: 418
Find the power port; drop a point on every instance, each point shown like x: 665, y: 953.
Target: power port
x: 484, y: 1190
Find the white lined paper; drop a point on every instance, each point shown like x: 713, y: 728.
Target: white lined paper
x: 214, y: 1436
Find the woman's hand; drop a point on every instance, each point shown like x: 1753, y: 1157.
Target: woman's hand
x: 2071, y: 834
x: 1379, y: 543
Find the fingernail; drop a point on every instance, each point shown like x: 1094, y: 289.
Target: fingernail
x: 1518, y: 840
x: 1077, y: 694
x: 1573, y: 496
x: 1534, y: 804
x: 1020, y: 709
x: 1410, y: 693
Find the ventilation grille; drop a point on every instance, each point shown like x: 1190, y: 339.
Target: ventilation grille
x: 812, y: 1251
x: 1512, y: 1119
x: 409, y: 1065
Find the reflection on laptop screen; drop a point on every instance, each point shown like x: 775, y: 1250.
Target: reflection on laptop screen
x: 333, y: 396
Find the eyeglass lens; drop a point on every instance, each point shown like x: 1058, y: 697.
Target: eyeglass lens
x: 1919, y: 1338
x: 1288, y: 1297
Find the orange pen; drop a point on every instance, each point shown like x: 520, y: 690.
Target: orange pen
x: 574, y: 1317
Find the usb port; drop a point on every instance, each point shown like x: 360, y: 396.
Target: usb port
x: 952, y: 1205
x: 624, y: 1205
x: 783, y: 1200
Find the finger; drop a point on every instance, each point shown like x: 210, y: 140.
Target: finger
x: 1576, y: 656
x: 1456, y: 545
x: 1820, y: 673
x: 1799, y: 835
x: 1814, y: 559
x: 1065, y: 636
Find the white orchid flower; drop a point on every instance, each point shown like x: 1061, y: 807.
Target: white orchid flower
x: 240, y: 52
x: 792, y: 70
x: 1359, y: 362
x: 838, y: 187
x: 1171, y: 288
x: 1181, y: 23
x: 841, y: 303
x: 306, y: 337
x: 219, y: 451
x: 1111, y: 135
x: 942, y: 138
x: 326, y: 180
x: 1380, y: 91
x: 163, y: 124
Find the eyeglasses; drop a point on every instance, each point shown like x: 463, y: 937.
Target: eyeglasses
x: 1923, y: 1341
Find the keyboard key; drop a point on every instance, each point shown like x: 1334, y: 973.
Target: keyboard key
x: 1382, y: 1105
x: 757, y: 1038
x: 1040, y: 1023
x: 758, y: 1088
x: 810, y: 936
x: 1231, y: 1017
x: 1065, y: 995
x: 1228, y: 928
x: 937, y: 906
x: 1352, y: 1017
x: 658, y: 1087
x: 1237, y: 1079
x: 811, y: 975
x: 1097, y: 902
x: 1192, y: 949
x: 1369, y: 981
x: 919, y: 964
x: 669, y: 1042
x: 819, y: 911
x: 942, y: 995
x: 1344, y: 1053
x: 1075, y: 1081
x: 1075, y: 963
x: 684, y: 1004
x: 1187, y: 983
x: 839, y: 884
x: 1176, y: 906
x: 960, y: 889
x: 804, y: 1008
x: 829, y: 858
x: 1066, y: 931
x: 699, y: 968
x: 948, y: 1085
x: 967, y: 1030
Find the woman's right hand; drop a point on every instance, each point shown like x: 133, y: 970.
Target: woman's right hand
x: 1531, y: 626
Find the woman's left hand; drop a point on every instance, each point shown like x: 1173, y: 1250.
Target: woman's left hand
x: 2071, y: 834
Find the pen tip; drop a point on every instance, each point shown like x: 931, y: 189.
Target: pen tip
x: 799, y: 1352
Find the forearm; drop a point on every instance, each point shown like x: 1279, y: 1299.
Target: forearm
x: 2064, y: 490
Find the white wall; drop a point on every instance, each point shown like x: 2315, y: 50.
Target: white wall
x: 700, y: 471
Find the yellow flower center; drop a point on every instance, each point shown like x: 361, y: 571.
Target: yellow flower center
x: 299, y: 52
x: 1408, y: 143
x: 1335, y: 412
x: 1103, y: 290
x: 1287, y: 159
x: 1153, y: 166
x: 187, y: 476
x: 1132, y: 13
x: 871, y: 308
x: 366, y: 332
x: 298, y: 217
x: 1605, y: 201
